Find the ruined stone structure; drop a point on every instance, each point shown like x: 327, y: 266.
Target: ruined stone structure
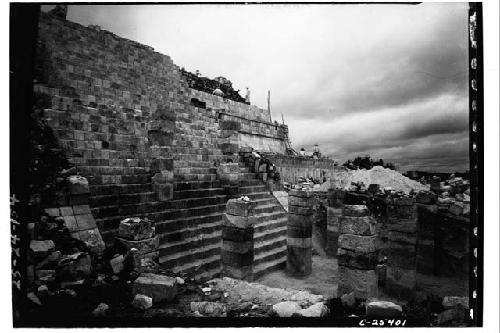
x: 149, y: 144
x: 357, y: 252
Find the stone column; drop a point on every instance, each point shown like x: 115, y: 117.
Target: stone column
x: 402, y: 255
x: 299, y: 233
x: 334, y: 212
x: 237, y: 239
x: 357, y: 253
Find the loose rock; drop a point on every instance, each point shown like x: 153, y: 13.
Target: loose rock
x: 142, y: 302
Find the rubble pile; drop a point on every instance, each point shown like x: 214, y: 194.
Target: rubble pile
x: 451, y: 195
x: 377, y: 175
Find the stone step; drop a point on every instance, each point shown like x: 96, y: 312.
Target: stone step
x: 198, y: 171
x: 186, y: 213
x: 248, y: 175
x: 191, y: 232
x: 209, y: 274
x: 259, y: 195
x: 268, y: 267
x: 196, y: 177
x: 195, y: 151
x: 119, y: 199
x: 252, y: 189
x: 249, y: 182
x: 169, y: 226
x: 189, y: 255
x: 264, y: 201
x: 263, y: 218
x: 269, y: 256
x: 193, y: 164
x: 269, y: 245
x: 113, y: 170
x: 191, y: 243
x: 198, y: 193
x: 200, y: 267
x: 113, y: 189
x: 262, y: 228
x: 269, y: 208
x: 188, y: 203
x: 199, y: 157
x: 272, y: 232
x: 192, y: 185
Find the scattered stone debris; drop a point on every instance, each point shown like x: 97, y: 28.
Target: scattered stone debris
x: 383, y: 309
x: 101, y: 310
x: 142, y: 302
x: 158, y: 287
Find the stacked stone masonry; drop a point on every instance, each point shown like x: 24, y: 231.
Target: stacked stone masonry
x: 402, y: 259
x: 299, y: 232
x: 147, y: 143
x: 357, y: 253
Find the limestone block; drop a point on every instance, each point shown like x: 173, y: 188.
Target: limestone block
x: 241, y: 273
x: 136, y: 228
x: 78, y: 184
x: 363, y: 225
x: 383, y: 309
x: 144, y: 245
x: 228, y: 168
x: 142, y: 302
x: 239, y: 221
x: 300, y: 201
x: 41, y: 249
x: 46, y: 275
x: 364, y: 283
x: 302, y: 221
x: 210, y: 309
x: 117, y: 264
x: 450, y: 302
x: 315, y: 310
x: 240, y: 207
x: 75, y: 266
x: 355, y: 210
x: 299, y: 210
x: 158, y: 287
x: 363, y: 244
x: 356, y: 259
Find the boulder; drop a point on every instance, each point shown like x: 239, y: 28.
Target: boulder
x: 286, y: 309
x: 450, y: 302
x: 41, y: 249
x: 158, y: 287
x: 383, y: 309
x: 117, y: 264
x: 348, y: 300
x: 142, y: 302
x: 78, y: 184
x: 316, y: 310
x: 210, y: 309
x: 100, y: 310
x: 135, y: 228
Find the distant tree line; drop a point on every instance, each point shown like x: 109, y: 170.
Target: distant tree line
x: 367, y: 163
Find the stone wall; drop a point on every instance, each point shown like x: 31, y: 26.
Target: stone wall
x: 243, y: 110
x: 293, y: 167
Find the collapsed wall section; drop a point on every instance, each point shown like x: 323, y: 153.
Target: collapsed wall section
x: 292, y: 168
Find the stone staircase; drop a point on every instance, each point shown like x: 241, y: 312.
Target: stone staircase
x: 112, y: 200
x: 270, y: 230
x: 190, y: 226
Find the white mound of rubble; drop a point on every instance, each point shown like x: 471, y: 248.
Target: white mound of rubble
x: 378, y: 175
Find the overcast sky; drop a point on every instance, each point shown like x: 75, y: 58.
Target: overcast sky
x: 385, y: 80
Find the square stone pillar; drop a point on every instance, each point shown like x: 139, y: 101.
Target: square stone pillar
x: 334, y: 212
x: 237, y: 239
x: 357, y: 253
x: 402, y: 254
x: 299, y: 233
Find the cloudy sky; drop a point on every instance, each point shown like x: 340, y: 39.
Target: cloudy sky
x: 385, y: 80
